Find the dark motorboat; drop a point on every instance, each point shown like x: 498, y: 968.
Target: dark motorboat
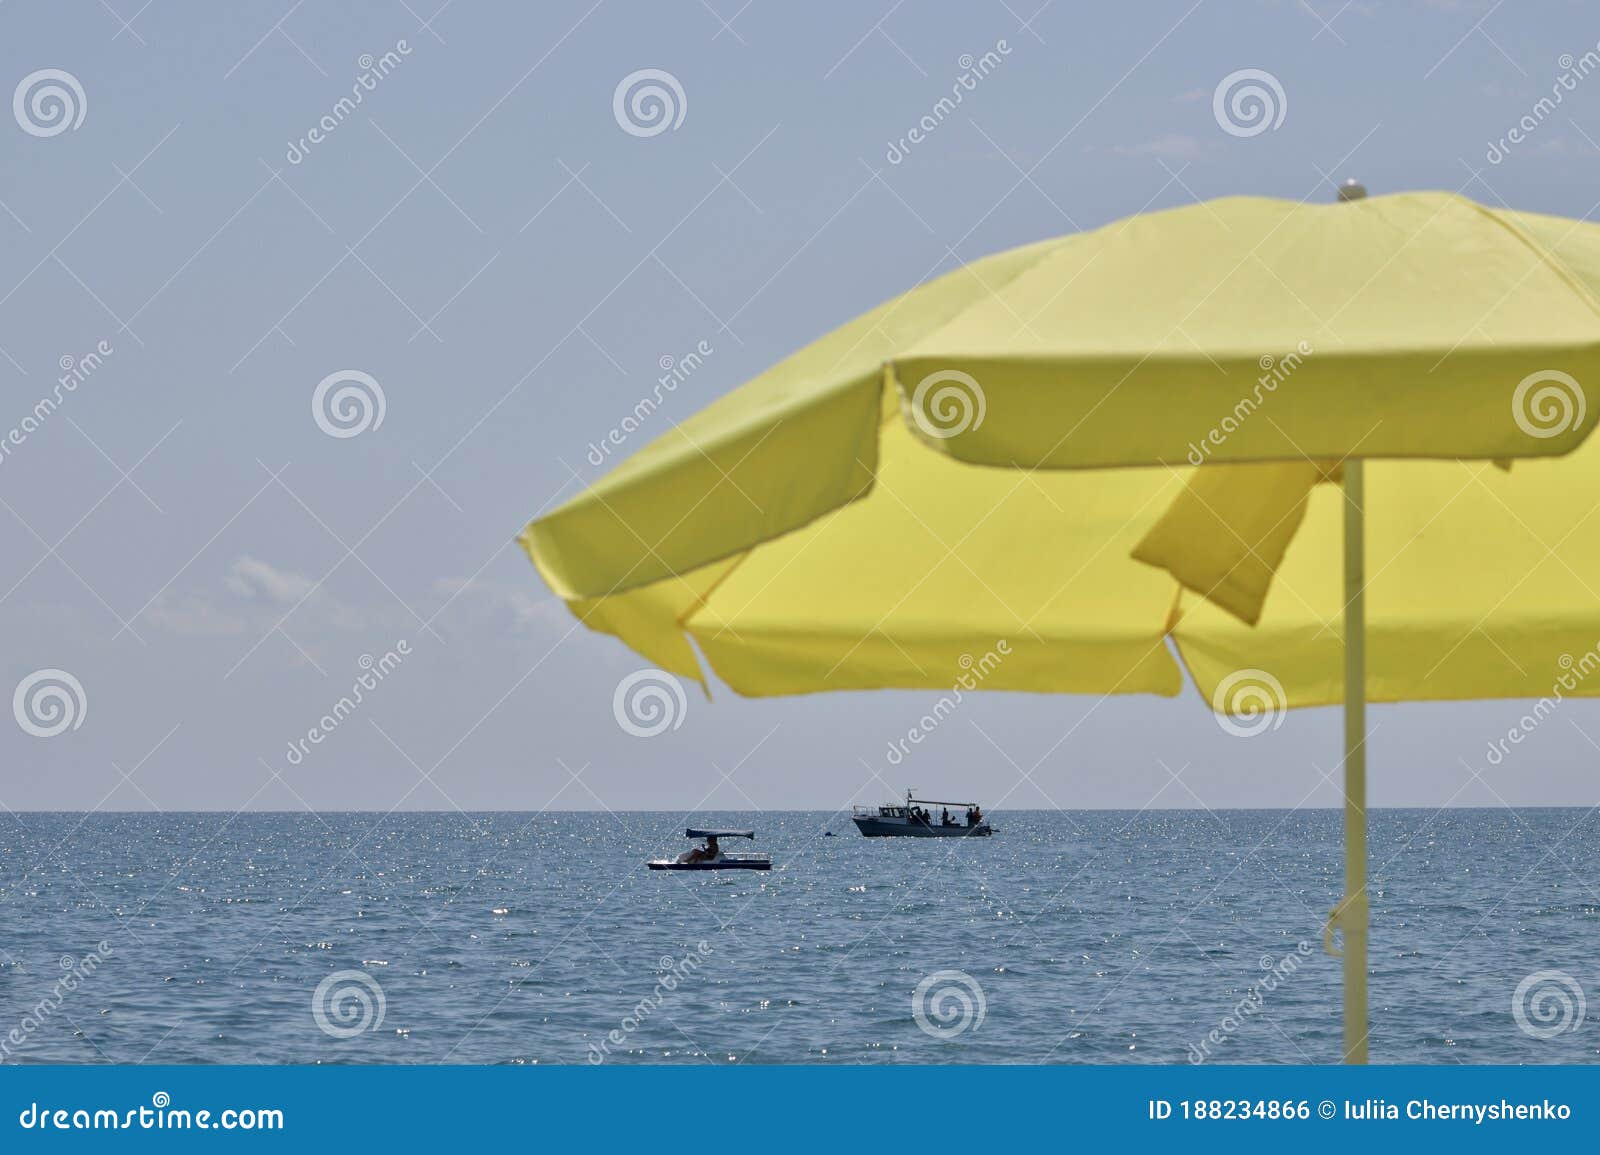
x: 913, y: 820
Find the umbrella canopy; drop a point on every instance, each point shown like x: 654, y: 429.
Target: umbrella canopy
x: 1398, y: 326
x: 1184, y: 404
x: 1481, y: 580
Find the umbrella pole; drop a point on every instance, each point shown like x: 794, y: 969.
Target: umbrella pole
x: 1351, y: 916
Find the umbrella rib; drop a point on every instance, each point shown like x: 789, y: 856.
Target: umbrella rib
x: 1196, y: 308
x: 598, y: 496
x: 1159, y: 642
x: 1541, y: 261
x: 1401, y: 248
x: 895, y: 305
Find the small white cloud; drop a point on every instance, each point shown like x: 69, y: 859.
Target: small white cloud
x: 513, y: 608
x: 250, y: 577
x: 262, y: 597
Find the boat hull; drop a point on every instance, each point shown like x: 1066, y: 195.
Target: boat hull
x: 725, y: 864
x: 890, y: 828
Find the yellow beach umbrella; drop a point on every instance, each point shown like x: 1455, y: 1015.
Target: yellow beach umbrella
x: 1256, y: 427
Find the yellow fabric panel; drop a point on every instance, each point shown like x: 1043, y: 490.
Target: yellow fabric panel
x: 1410, y: 320
x: 796, y: 442
x: 646, y: 619
x: 942, y: 563
x: 1224, y: 535
x: 1465, y: 598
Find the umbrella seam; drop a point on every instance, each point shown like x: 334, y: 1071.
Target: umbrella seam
x: 1546, y: 257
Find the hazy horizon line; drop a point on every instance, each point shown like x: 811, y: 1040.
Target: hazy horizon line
x: 834, y: 810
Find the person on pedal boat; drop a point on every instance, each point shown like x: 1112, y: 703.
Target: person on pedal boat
x: 710, y: 852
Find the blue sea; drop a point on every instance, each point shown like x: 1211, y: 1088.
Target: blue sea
x: 1077, y: 937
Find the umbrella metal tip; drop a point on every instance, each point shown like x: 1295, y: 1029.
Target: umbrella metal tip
x: 1352, y: 190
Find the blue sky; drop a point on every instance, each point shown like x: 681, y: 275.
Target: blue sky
x: 484, y: 240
